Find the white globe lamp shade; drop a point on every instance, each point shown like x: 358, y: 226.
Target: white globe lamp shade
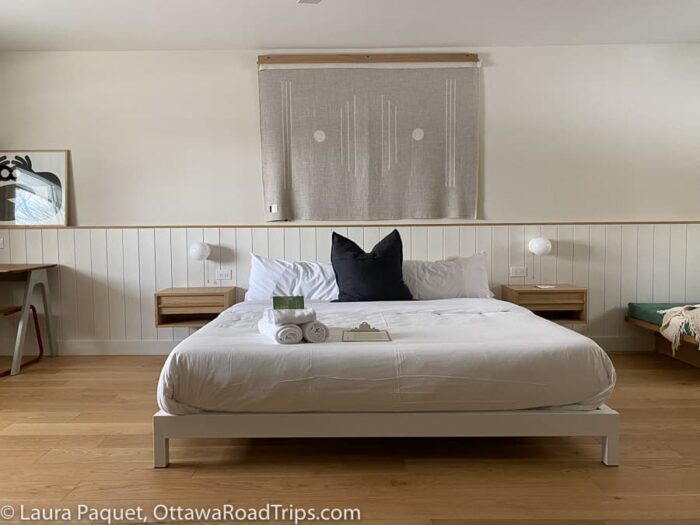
x: 199, y: 251
x: 540, y: 246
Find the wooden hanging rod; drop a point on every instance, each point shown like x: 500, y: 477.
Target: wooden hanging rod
x: 367, y: 59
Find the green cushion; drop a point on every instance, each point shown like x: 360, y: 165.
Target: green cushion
x: 649, y: 311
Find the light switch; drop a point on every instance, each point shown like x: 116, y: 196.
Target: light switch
x: 2, y: 243
x: 518, y: 271
x: 223, y: 274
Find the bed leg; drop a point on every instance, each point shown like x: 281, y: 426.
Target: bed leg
x: 161, y: 450
x: 611, y: 452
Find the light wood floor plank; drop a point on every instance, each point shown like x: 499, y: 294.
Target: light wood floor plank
x: 78, y: 430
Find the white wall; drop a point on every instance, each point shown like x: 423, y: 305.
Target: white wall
x: 570, y: 133
x: 103, y: 290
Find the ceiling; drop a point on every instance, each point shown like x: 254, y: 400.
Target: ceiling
x: 282, y: 24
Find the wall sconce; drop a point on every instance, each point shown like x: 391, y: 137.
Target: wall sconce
x: 200, y: 251
x: 540, y: 246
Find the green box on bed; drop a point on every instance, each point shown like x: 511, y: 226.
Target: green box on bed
x: 291, y: 302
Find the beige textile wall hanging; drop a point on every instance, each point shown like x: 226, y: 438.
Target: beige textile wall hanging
x: 363, y: 137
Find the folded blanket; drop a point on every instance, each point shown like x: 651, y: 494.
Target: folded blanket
x: 284, y: 334
x: 301, y: 316
x: 680, y: 320
x: 315, y: 332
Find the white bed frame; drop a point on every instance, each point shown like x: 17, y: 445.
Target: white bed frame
x: 602, y: 422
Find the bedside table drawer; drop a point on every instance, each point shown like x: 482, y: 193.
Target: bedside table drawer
x: 195, y: 300
x: 551, y: 297
x: 185, y: 310
x: 554, y: 307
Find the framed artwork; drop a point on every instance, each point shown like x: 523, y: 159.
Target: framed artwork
x: 33, y: 187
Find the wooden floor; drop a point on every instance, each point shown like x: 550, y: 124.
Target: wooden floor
x: 77, y: 430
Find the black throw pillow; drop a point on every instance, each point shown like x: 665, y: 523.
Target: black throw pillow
x: 373, y: 276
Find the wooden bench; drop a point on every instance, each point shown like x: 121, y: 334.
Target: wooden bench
x: 687, y: 352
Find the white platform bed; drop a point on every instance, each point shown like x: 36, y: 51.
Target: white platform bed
x: 455, y: 367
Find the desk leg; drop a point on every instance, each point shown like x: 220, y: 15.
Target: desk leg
x: 40, y: 278
x: 43, y: 280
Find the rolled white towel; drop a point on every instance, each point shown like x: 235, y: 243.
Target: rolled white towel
x: 300, y: 316
x: 315, y: 332
x: 284, y: 334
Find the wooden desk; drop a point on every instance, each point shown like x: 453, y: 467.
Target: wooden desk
x: 33, y: 275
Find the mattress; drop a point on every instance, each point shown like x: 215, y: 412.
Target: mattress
x: 445, y: 355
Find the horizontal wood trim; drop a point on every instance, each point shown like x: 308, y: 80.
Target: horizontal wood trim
x: 655, y: 328
x: 195, y: 291
x: 377, y: 58
x: 274, y: 225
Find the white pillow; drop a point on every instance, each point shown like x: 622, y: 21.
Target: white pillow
x: 268, y: 277
x: 456, y: 277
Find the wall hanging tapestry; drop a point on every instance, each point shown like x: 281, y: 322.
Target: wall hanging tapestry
x: 363, y: 137
x: 33, y: 187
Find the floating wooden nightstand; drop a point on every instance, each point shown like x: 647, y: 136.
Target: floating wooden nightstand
x: 191, y: 307
x: 563, y: 304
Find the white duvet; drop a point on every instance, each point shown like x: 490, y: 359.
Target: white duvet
x: 445, y: 355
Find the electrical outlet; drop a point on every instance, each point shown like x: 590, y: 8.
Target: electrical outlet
x: 518, y: 271
x: 223, y: 274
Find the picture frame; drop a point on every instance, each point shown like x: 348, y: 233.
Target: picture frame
x: 34, y: 187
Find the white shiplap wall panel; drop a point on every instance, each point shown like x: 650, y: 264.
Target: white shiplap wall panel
x: 692, y: 263
x: 18, y: 246
x: 307, y: 241
x: 450, y: 241
x: 115, y: 281
x: 212, y: 264
x: 5, y: 257
x: 435, y: 244
x: 467, y: 241
x: 499, y: 260
x: 662, y: 263
x: 195, y: 269
x: 67, y: 284
x: 628, y: 270
x: 677, y: 258
x: 276, y: 243
x: 581, y: 263
x: 100, y: 284
x: 104, y: 287
x: 612, y: 303
x: 419, y: 243
x: 596, y: 280
x: 179, y: 258
x: 260, y: 242
x: 49, y: 253
x: 565, y: 253
x: 516, y: 250
x: 164, y: 269
x: 147, y: 271
x: 323, y: 244
x: 244, y: 247
x: 645, y: 263
x: 548, y: 263
x: 483, y: 243
x: 229, y: 254
x: 132, y: 283
x: 532, y: 262
x: 292, y: 244
x: 34, y: 246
